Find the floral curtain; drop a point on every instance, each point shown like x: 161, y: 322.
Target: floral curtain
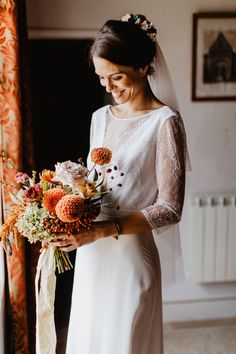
x: 2, y: 300
x: 15, y: 141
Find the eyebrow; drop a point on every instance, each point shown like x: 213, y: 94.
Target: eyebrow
x: 115, y: 73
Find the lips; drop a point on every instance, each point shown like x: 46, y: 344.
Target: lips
x: 117, y: 94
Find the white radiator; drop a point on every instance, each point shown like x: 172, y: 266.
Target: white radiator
x: 213, y: 238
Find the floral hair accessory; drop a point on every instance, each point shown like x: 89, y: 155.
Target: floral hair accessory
x: 142, y: 22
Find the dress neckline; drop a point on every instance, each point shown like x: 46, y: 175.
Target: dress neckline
x: 134, y: 117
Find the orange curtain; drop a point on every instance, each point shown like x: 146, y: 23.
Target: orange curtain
x: 15, y: 140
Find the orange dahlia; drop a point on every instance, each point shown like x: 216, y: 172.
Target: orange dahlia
x: 70, y: 208
x: 101, y: 156
x: 51, y: 197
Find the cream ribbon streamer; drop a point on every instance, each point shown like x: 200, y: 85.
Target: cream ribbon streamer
x: 45, y: 286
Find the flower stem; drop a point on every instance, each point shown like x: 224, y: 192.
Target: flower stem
x: 7, y: 184
x: 4, y: 157
x: 62, y: 261
x: 91, y: 169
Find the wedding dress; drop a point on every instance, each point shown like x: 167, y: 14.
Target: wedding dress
x: 116, y: 302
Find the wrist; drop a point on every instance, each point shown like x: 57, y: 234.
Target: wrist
x: 106, y: 229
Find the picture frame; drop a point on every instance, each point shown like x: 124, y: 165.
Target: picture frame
x: 214, y: 56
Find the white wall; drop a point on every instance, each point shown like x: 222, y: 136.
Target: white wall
x: 210, y: 126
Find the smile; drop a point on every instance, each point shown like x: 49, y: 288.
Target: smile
x: 117, y: 94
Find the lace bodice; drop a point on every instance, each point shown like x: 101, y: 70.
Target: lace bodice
x: 118, y: 130
x: 151, y: 150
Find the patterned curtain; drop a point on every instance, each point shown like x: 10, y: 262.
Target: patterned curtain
x: 15, y: 140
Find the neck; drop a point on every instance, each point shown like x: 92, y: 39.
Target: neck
x: 144, y: 101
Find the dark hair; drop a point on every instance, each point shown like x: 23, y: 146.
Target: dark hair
x: 123, y: 43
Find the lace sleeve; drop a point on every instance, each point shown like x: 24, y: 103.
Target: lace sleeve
x: 170, y: 175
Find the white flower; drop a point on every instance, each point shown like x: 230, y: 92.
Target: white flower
x: 70, y: 173
x: 125, y: 18
x: 30, y: 224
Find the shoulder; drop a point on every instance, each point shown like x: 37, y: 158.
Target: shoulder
x: 160, y: 116
x: 100, y: 112
x: 172, y: 123
x: 97, y: 125
x: 168, y: 112
x: 99, y: 117
x: 170, y: 116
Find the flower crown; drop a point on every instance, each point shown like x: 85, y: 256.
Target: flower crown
x: 142, y: 22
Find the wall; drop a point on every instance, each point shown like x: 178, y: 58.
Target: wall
x: 210, y: 126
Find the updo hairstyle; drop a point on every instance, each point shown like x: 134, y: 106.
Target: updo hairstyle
x: 124, y: 43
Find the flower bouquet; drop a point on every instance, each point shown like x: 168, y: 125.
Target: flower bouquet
x: 48, y: 203
x: 60, y: 201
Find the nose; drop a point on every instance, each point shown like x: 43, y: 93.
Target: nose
x: 109, y: 85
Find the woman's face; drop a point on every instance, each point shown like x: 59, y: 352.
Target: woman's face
x: 125, y: 83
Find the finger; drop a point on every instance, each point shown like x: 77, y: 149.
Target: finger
x: 68, y: 248
x: 56, y: 243
x: 61, y: 236
x: 62, y: 243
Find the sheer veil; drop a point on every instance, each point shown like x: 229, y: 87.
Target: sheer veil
x: 162, y: 86
x: 160, y: 81
x: 168, y: 242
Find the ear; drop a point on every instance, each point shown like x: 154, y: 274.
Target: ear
x: 143, y: 71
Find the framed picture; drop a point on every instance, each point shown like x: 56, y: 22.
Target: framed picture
x: 214, y: 56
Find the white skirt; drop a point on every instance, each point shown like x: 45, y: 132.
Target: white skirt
x: 116, y: 301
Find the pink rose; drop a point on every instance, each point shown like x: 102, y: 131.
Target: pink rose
x: 21, y: 177
x: 38, y: 188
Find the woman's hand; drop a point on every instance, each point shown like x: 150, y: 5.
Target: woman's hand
x: 85, y: 236
x: 134, y: 223
x: 70, y: 243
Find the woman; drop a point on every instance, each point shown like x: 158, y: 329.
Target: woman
x: 116, y: 302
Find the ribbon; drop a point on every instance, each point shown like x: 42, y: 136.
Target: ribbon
x: 45, y: 287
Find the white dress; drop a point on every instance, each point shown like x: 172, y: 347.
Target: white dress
x: 116, y: 301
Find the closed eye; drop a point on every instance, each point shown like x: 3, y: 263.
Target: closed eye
x: 117, y: 78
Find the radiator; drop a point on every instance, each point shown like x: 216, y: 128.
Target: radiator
x: 213, y: 238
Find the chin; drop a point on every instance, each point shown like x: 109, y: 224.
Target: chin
x: 117, y: 100
x: 121, y: 100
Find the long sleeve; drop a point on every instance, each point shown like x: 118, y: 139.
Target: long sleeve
x: 170, y: 176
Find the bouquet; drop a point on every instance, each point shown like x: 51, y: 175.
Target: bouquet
x: 60, y: 201
x: 51, y: 202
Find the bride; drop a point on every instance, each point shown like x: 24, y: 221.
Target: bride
x: 117, y: 297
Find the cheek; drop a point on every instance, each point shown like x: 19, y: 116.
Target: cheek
x: 128, y: 84
x: 132, y: 82
x: 131, y: 88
